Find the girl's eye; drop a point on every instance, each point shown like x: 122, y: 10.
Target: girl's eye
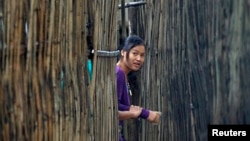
x: 135, y: 53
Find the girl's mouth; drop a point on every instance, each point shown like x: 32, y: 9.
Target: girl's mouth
x: 137, y: 65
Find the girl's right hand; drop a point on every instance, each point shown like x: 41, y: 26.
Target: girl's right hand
x: 135, y: 110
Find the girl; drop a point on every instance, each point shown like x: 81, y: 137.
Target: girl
x: 132, y: 58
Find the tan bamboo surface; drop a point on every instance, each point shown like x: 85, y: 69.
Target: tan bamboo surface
x: 103, y: 90
x: 196, y: 70
x: 45, y: 89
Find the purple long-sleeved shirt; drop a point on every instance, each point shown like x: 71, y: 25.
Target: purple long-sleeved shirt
x: 123, y: 94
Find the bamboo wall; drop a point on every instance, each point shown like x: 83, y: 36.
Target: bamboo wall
x: 196, y: 70
x: 45, y: 89
x: 103, y: 88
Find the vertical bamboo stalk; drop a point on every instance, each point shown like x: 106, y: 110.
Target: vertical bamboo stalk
x: 16, y: 67
x: 77, y: 22
x: 69, y: 61
x: 40, y: 68
x: 56, y: 70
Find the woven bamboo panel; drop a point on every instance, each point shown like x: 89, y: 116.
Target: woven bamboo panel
x: 196, y: 69
x: 45, y: 89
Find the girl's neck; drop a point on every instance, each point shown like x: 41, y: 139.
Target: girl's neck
x: 125, y: 69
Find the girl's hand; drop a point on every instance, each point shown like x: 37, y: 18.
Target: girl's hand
x: 135, y: 111
x: 154, y: 117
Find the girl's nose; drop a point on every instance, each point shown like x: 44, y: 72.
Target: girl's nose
x: 138, y: 57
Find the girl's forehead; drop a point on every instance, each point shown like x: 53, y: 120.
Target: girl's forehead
x: 140, y: 48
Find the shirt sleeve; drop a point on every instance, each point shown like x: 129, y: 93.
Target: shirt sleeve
x: 144, y: 114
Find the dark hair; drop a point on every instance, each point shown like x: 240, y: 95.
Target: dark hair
x: 132, y: 41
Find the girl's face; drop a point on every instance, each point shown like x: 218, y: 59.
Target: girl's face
x: 135, y: 58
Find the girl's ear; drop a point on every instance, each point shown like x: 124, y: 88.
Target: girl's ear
x: 122, y: 53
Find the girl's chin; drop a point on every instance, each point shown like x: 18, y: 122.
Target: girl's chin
x: 136, y: 68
